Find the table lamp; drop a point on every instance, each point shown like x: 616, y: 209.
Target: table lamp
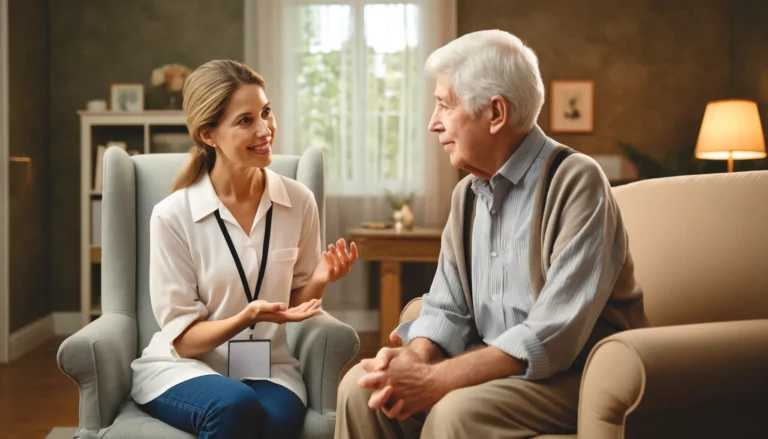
x: 731, y: 131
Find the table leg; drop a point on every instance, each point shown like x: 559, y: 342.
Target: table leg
x: 390, y: 300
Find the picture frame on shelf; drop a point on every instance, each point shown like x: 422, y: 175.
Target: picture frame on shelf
x: 572, y: 106
x: 126, y: 97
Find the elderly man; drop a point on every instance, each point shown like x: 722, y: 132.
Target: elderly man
x: 534, y: 269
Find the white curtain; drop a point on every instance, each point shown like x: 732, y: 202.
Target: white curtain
x: 348, y: 76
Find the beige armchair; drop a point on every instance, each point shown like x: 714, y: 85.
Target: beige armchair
x: 700, y: 246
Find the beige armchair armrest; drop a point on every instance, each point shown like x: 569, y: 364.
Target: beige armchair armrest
x: 411, y: 310
x: 672, y: 369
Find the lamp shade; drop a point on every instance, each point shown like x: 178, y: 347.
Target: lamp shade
x: 731, y: 129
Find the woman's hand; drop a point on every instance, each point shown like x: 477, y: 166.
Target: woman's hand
x: 335, y: 262
x: 263, y: 311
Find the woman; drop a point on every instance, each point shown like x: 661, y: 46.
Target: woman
x: 234, y: 254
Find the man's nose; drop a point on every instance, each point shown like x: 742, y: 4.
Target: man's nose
x: 434, y: 123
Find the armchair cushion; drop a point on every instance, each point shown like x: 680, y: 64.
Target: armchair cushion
x: 657, y: 372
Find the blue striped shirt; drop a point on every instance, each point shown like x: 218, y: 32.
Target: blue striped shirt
x: 547, y: 332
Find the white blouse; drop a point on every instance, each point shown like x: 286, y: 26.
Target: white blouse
x: 192, y: 276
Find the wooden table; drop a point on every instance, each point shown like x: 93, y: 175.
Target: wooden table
x: 391, y: 248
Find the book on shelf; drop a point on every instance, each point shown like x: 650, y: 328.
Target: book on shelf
x: 96, y: 222
x: 98, y: 173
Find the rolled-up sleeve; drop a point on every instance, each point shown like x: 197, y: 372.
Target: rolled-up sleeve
x: 579, y: 283
x: 444, y: 317
x: 172, y: 280
x: 309, y: 245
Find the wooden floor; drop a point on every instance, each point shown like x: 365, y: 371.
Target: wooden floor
x: 36, y: 396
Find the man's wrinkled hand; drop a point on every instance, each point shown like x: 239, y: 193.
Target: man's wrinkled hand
x: 406, y: 384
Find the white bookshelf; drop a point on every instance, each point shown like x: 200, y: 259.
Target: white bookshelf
x: 98, y: 128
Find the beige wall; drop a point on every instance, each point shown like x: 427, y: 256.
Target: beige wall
x: 30, y: 221
x: 655, y: 63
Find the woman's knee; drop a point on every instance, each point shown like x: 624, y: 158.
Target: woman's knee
x: 238, y: 415
x: 286, y: 423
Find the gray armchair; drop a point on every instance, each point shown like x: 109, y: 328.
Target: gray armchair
x: 98, y: 357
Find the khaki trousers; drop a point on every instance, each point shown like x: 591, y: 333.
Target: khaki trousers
x: 503, y: 408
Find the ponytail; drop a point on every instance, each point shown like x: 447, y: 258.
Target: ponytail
x: 200, y: 160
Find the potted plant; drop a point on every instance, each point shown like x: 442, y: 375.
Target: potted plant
x: 401, y: 205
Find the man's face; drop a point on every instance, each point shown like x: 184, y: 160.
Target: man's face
x: 464, y: 137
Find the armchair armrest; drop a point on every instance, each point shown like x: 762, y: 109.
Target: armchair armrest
x: 672, y: 369
x: 411, y: 310
x: 323, y: 346
x: 98, y: 358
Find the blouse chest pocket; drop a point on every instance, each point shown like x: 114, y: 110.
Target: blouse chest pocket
x: 279, y: 271
x: 285, y: 254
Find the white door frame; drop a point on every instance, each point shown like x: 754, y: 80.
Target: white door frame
x: 4, y: 184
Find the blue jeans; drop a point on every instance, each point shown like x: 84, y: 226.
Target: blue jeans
x: 214, y: 406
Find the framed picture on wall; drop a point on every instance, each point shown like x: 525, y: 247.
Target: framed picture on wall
x: 572, y: 106
x: 127, y: 97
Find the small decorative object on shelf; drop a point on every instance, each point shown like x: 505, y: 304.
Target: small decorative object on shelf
x: 171, y: 142
x: 403, y: 215
x: 172, y: 77
x: 127, y: 97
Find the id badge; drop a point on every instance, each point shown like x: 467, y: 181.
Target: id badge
x: 249, y: 359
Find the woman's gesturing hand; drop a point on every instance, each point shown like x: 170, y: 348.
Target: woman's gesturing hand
x: 336, y: 262
x: 263, y: 311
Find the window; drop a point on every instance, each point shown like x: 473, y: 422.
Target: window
x: 352, y: 83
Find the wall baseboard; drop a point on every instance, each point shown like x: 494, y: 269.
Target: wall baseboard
x: 26, y: 339
x: 66, y: 322
x: 361, y: 320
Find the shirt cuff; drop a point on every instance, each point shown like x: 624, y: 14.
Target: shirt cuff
x: 402, y: 331
x: 440, y: 331
x: 521, y: 343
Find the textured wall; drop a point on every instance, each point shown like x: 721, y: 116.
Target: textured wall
x: 30, y: 297
x: 749, y: 62
x: 655, y: 63
x: 99, y: 42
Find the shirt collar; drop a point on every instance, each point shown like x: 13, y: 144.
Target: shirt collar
x: 521, y: 160
x: 203, y: 200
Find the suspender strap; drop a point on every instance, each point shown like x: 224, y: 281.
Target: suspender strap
x: 469, y: 216
x: 561, y: 155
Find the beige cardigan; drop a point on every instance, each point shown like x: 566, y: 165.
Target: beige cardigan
x: 576, y: 187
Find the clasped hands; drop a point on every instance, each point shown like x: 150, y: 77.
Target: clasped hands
x: 404, y: 383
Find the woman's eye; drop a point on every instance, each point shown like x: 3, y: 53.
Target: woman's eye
x: 267, y: 111
x: 245, y: 121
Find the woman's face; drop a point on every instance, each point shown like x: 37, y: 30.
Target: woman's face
x: 245, y: 132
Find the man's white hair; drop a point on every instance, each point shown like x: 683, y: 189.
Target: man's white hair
x: 487, y: 63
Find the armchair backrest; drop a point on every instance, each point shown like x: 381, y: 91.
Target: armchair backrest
x: 700, y: 246
x: 132, y: 187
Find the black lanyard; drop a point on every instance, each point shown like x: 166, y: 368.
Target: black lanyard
x: 265, y: 250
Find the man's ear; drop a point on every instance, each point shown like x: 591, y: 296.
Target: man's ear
x: 499, y: 113
x: 206, y: 133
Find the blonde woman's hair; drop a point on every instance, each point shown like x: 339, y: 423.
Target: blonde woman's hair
x: 206, y: 94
